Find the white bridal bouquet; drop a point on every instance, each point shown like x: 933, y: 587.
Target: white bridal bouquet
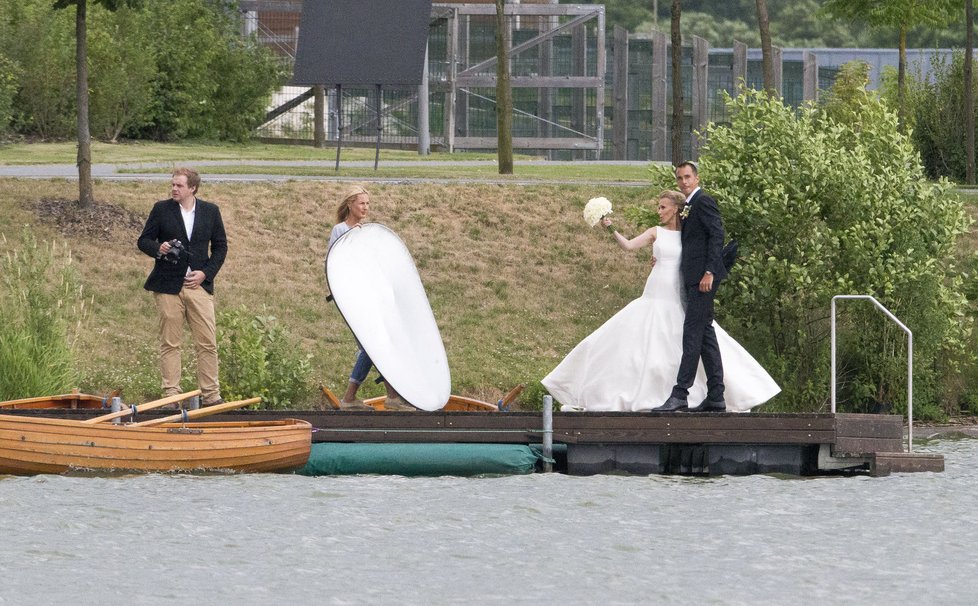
x: 595, y: 209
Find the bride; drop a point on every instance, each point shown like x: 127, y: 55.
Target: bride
x: 630, y: 362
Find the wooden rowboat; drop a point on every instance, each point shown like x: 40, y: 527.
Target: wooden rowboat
x: 69, y: 400
x: 454, y: 404
x: 42, y: 445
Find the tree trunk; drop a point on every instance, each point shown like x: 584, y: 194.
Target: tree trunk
x: 902, y: 81
x: 767, y: 54
x: 677, y: 85
x: 969, y: 91
x: 504, y: 93
x: 85, y: 196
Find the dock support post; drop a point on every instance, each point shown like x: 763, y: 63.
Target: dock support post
x: 548, y: 433
x: 116, y: 407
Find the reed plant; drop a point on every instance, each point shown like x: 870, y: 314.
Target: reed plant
x: 43, y: 312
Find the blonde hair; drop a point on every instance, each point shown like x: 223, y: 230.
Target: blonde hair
x: 673, y: 196
x: 343, y: 210
x: 193, y: 178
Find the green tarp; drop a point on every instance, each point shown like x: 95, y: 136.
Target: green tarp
x: 334, y: 458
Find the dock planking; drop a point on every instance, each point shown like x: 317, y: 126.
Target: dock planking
x: 685, y: 443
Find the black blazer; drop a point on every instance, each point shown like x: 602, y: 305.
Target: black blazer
x: 702, y: 237
x: 166, y: 223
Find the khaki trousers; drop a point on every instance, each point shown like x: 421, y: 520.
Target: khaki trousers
x: 196, y: 307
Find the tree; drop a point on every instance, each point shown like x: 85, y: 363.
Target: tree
x: 767, y: 53
x: 504, y: 93
x: 969, y: 94
x: 85, y: 196
x: 677, y: 84
x: 901, y: 15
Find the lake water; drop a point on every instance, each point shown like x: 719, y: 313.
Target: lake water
x: 544, y: 538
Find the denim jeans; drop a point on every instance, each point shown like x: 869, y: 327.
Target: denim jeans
x: 361, y: 368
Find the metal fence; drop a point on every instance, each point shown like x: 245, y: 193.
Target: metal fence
x: 567, y: 95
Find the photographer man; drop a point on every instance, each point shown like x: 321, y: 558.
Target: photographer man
x: 177, y: 234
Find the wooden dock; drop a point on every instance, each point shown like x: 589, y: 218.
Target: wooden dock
x: 638, y: 443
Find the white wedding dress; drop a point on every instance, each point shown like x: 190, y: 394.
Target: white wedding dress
x: 630, y: 363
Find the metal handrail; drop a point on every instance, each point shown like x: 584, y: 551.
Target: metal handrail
x: 909, y: 359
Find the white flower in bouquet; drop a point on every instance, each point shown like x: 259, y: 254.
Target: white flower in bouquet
x: 595, y: 209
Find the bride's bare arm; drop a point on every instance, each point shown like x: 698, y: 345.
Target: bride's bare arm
x: 646, y: 238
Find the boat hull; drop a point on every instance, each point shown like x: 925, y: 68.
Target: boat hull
x: 41, y: 445
x: 70, y: 401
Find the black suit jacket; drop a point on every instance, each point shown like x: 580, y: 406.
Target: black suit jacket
x: 702, y: 237
x: 166, y: 223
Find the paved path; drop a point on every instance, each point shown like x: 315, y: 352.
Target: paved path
x: 110, y: 172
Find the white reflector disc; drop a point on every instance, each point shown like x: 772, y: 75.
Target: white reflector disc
x: 376, y: 287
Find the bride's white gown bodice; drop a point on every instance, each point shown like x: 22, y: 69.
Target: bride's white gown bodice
x: 630, y: 363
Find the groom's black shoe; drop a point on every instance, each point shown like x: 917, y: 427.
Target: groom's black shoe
x: 709, y: 405
x: 673, y: 404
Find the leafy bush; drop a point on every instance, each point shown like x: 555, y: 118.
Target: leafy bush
x: 168, y: 70
x: 10, y: 73
x: 137, y: 374
x: 42, y: 43
x: 936, y: 103
x: 258, y: 358
x: 246, y: 73
x: 43, y: 310
x: 121, y: 50
x: 823, y: 207
x: 210, y: 83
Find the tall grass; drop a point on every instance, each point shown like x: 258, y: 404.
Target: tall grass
x: 43, y: 307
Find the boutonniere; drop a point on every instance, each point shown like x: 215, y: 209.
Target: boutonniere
x: 684, y: 213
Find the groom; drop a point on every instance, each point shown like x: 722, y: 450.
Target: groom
x: 701, y: 270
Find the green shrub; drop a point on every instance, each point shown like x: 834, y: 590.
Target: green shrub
x: 532, y: 396
x: 935, y: 104
x: 42, y: 43
x: 136, y: 373
x: 822, y: 208
x: 167, y: 70
x: 10, y: 74
x: 43, y: 308
x: 259, y: 358
x: 210, y: 84
x: 121, y: 51
x: 246, y: 73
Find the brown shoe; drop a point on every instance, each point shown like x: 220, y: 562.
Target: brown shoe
x: 354, y: 405
x: 398, y: 404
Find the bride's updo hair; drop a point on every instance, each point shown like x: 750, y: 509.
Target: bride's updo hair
x: 675, y: 197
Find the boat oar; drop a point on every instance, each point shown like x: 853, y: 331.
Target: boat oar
x: 125, y: 412
x: 200, y: 412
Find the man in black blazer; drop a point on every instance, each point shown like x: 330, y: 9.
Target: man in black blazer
x: 701, y: 270
x: 186, y: 237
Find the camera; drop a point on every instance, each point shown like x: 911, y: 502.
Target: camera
x: 177, y: 252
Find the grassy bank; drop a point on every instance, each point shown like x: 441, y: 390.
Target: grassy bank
x: 514, y: 276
